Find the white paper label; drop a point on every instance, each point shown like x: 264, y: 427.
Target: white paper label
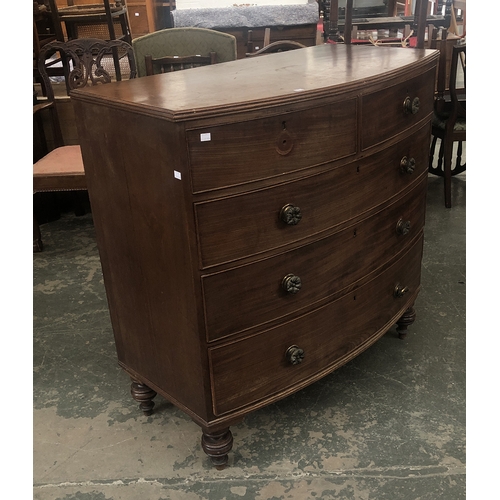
x: 177, y: 175
x: 205, y: 137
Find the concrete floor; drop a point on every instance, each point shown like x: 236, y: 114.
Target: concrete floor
x: 388, y: 425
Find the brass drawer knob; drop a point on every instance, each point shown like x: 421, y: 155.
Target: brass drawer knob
x: 291, y: 283
x: 290, y: 215
x: 411, y: 106
x: 294, y: 355
x: 403, y: 227
x: 400, y: 290
x: 407, y: 165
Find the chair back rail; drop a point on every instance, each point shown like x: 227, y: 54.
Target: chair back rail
x: 278, y: 46
x: 175, y: 63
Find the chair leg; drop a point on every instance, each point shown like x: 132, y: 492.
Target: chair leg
x: 432, y: 153
x: 440, y: 156
x: 459, y: 156
x: 78, y: 203
x: 448, y: 149
x: 37, y: 237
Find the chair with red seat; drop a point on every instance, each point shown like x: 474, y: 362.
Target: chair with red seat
x: 88, y: 61
x: 449, y: 123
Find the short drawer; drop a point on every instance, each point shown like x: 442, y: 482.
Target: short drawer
x: 390, y: 111
x: 236, y: 153
x: 249, y: 371
x: 256, y: 223
x: 251, y: 295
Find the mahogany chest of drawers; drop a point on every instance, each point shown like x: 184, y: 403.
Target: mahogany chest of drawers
x: 259, y: 222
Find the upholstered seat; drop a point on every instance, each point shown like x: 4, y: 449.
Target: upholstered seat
x: 183, y: 42
x: 440, y: 122
x: 61, y: 169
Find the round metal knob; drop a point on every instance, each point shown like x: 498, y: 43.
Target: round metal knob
x: 407, y: 165
x: 403, y: 227
x: 411, y: 106
x: 294, y: 355
x: 400, y: 290
x: 291, y: 283
x: 290, y: 214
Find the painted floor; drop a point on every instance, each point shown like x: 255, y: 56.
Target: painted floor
x: 388, y: 425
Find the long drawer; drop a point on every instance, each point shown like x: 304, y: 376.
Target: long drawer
x: 256, y: 220
x: 250, y: 370
x: 394, y: 109
x: 236, y: 153
x: 286, y: 283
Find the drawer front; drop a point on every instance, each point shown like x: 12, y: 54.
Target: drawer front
x: 251, y: 370
x: 388, y: 112
x: 239, y: 226
x: 236, y: 153
x: 251, y: 295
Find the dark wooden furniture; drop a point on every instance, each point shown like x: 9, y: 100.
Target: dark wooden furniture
x: 338, y: 27
x: 249, y: 23
x: 260, y: 222
x: 61, y: 169
x: 101, y: 19
x: 148, y: 16
x: 46, y: 29
x: 168, y: 64
x: 449, y: 121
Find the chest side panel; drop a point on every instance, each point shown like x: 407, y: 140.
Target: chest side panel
x: 143, y: 234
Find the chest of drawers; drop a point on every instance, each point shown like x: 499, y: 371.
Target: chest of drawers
x: 259, y: 222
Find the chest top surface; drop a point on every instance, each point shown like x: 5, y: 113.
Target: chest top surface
x: 265, y: 81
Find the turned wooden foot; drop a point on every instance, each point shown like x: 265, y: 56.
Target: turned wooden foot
x: 144, y: 396
x: 217, y: 445
x: 405, y: 321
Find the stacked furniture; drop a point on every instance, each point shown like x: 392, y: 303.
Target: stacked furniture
x: 286, y: 22
x: 101, y: 19
x: 259, y: 222
x: 148, y: 16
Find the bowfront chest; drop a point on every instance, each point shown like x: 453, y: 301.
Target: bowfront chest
x: 259, y: 222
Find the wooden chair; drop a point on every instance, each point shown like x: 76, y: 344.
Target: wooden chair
x: 168, y: 64
x: 278, y: 46
x: 102, y: 19
x: 46, y: 29
x: 183, y: 42
x: 62, y: 168
x: 449, y: 124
